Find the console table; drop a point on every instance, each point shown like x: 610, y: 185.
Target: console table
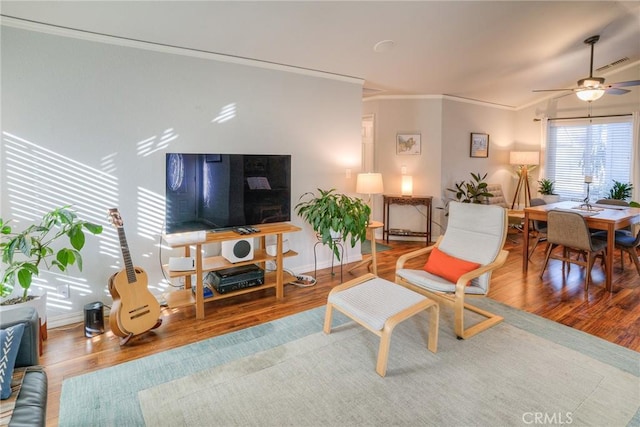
x: 406, y: 200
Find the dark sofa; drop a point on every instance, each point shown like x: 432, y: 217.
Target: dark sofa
x: 31, y: 404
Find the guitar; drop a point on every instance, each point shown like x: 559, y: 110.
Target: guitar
x: 135, y: 310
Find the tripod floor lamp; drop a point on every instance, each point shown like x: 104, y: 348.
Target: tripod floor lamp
x: 523, y: 159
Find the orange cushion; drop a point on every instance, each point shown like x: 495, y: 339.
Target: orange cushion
x: 448, y: 267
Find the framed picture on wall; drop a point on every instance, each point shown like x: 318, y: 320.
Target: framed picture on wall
x: 479, y: 145
x: 408, y: 144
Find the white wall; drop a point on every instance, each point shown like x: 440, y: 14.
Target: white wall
x: 420, y: 115
x: 445, y: 124
x: 460, y: 119
x: 88, y: 123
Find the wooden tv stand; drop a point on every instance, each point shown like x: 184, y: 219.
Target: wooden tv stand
x: 275, y: 279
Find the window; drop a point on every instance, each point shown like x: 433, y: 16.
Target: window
x: 600, y: 148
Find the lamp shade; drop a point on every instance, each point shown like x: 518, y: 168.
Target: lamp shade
x: 524, y: 158
x: 369, y: 183
x: 407, y: 185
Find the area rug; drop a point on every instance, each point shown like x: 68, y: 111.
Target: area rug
x: 287, y: 372
x: 365, y: 247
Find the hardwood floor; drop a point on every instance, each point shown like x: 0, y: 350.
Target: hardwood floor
x: 612, y: 316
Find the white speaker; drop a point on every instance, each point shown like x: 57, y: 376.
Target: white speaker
x: 238, y: 250
x: 272, y: 250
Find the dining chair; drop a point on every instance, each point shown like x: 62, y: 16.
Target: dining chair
x: 539, y: 227
x: 460, y: 263
x: 626, y: 242
x: 615, y: 202
x: 570, y: 230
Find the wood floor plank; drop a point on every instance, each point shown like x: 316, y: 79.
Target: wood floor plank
x: 560, y: 297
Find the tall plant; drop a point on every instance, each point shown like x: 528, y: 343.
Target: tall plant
x: 332, y: 214
x: 25, y: 251
x: 474, y: 191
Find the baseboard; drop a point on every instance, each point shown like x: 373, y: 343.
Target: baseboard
x: 69, y: 319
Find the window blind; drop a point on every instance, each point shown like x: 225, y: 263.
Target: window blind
x: 600, y: 148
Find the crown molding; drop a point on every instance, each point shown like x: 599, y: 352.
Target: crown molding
x: 163, y: 48
x: 438, y: 97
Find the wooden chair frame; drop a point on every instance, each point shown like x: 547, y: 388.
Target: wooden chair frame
x: 457, y: 299
x: 389, y: 325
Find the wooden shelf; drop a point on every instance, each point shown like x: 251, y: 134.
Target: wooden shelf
x: 220, y: 263
x: 273, y: 279
x: 265, y: 230
x: 186, y: 297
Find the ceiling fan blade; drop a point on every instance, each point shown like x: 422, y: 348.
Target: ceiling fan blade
x: 616, y: 91
x: 563, y: 95
x: 550, y: 90
x: 624, y: 84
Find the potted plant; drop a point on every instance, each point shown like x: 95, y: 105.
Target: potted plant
x: 25, y: 253
x: 335, y: 216
x: 546, y: 188
x: 474, y: 191
x: 620, y: 190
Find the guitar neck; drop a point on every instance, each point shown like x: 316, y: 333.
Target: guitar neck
x: 126, y: 256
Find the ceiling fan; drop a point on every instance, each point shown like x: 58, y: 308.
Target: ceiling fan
x: 592, y: 88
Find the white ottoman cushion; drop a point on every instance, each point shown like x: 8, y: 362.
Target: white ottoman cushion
x: 375, y: 301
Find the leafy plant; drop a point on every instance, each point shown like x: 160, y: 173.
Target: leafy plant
x: 474, y: 191
x: 620, y: 190
x: 331, y: 212
x: 546, y: 187
x: 23, y: 252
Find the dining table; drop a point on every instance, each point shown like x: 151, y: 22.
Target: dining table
x: 597, y: 217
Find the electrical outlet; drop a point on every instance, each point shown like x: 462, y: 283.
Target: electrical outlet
x: 64, y: 291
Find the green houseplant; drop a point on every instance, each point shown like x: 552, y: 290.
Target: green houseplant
x: 546, y: 187
x: 24, y: 253
x: 620, y: 190
x: 335, y: 216
x: 474, y: 191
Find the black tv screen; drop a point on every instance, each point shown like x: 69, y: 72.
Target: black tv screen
x: 220, y: 191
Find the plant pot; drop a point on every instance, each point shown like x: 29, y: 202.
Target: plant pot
x: 550, y: 198
x: 39, y: 303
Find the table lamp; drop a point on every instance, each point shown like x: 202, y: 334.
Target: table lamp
x: 407, y: 185
x: 523, y: 159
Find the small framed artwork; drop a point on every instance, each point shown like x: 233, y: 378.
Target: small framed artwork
x: 408, y: 144
x: 479, y: 145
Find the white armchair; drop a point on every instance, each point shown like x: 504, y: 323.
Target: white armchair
x: 475, y: 233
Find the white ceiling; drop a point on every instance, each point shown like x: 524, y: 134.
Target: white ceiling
x: 484, y: 50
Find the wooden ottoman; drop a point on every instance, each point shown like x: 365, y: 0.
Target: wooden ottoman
x: 379, y: 305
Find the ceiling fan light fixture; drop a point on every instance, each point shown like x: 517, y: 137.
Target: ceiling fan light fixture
x: 590, y: 94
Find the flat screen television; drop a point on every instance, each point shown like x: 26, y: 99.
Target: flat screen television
x: 216, y: 192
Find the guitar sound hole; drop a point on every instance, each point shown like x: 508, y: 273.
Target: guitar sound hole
x: 135, y: 316
x: 144, y: 307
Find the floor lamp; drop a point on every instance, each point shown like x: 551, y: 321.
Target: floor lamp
x: 523, y: 159
x: 369, y: 183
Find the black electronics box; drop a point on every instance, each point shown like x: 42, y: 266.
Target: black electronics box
x: 234, y: 278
